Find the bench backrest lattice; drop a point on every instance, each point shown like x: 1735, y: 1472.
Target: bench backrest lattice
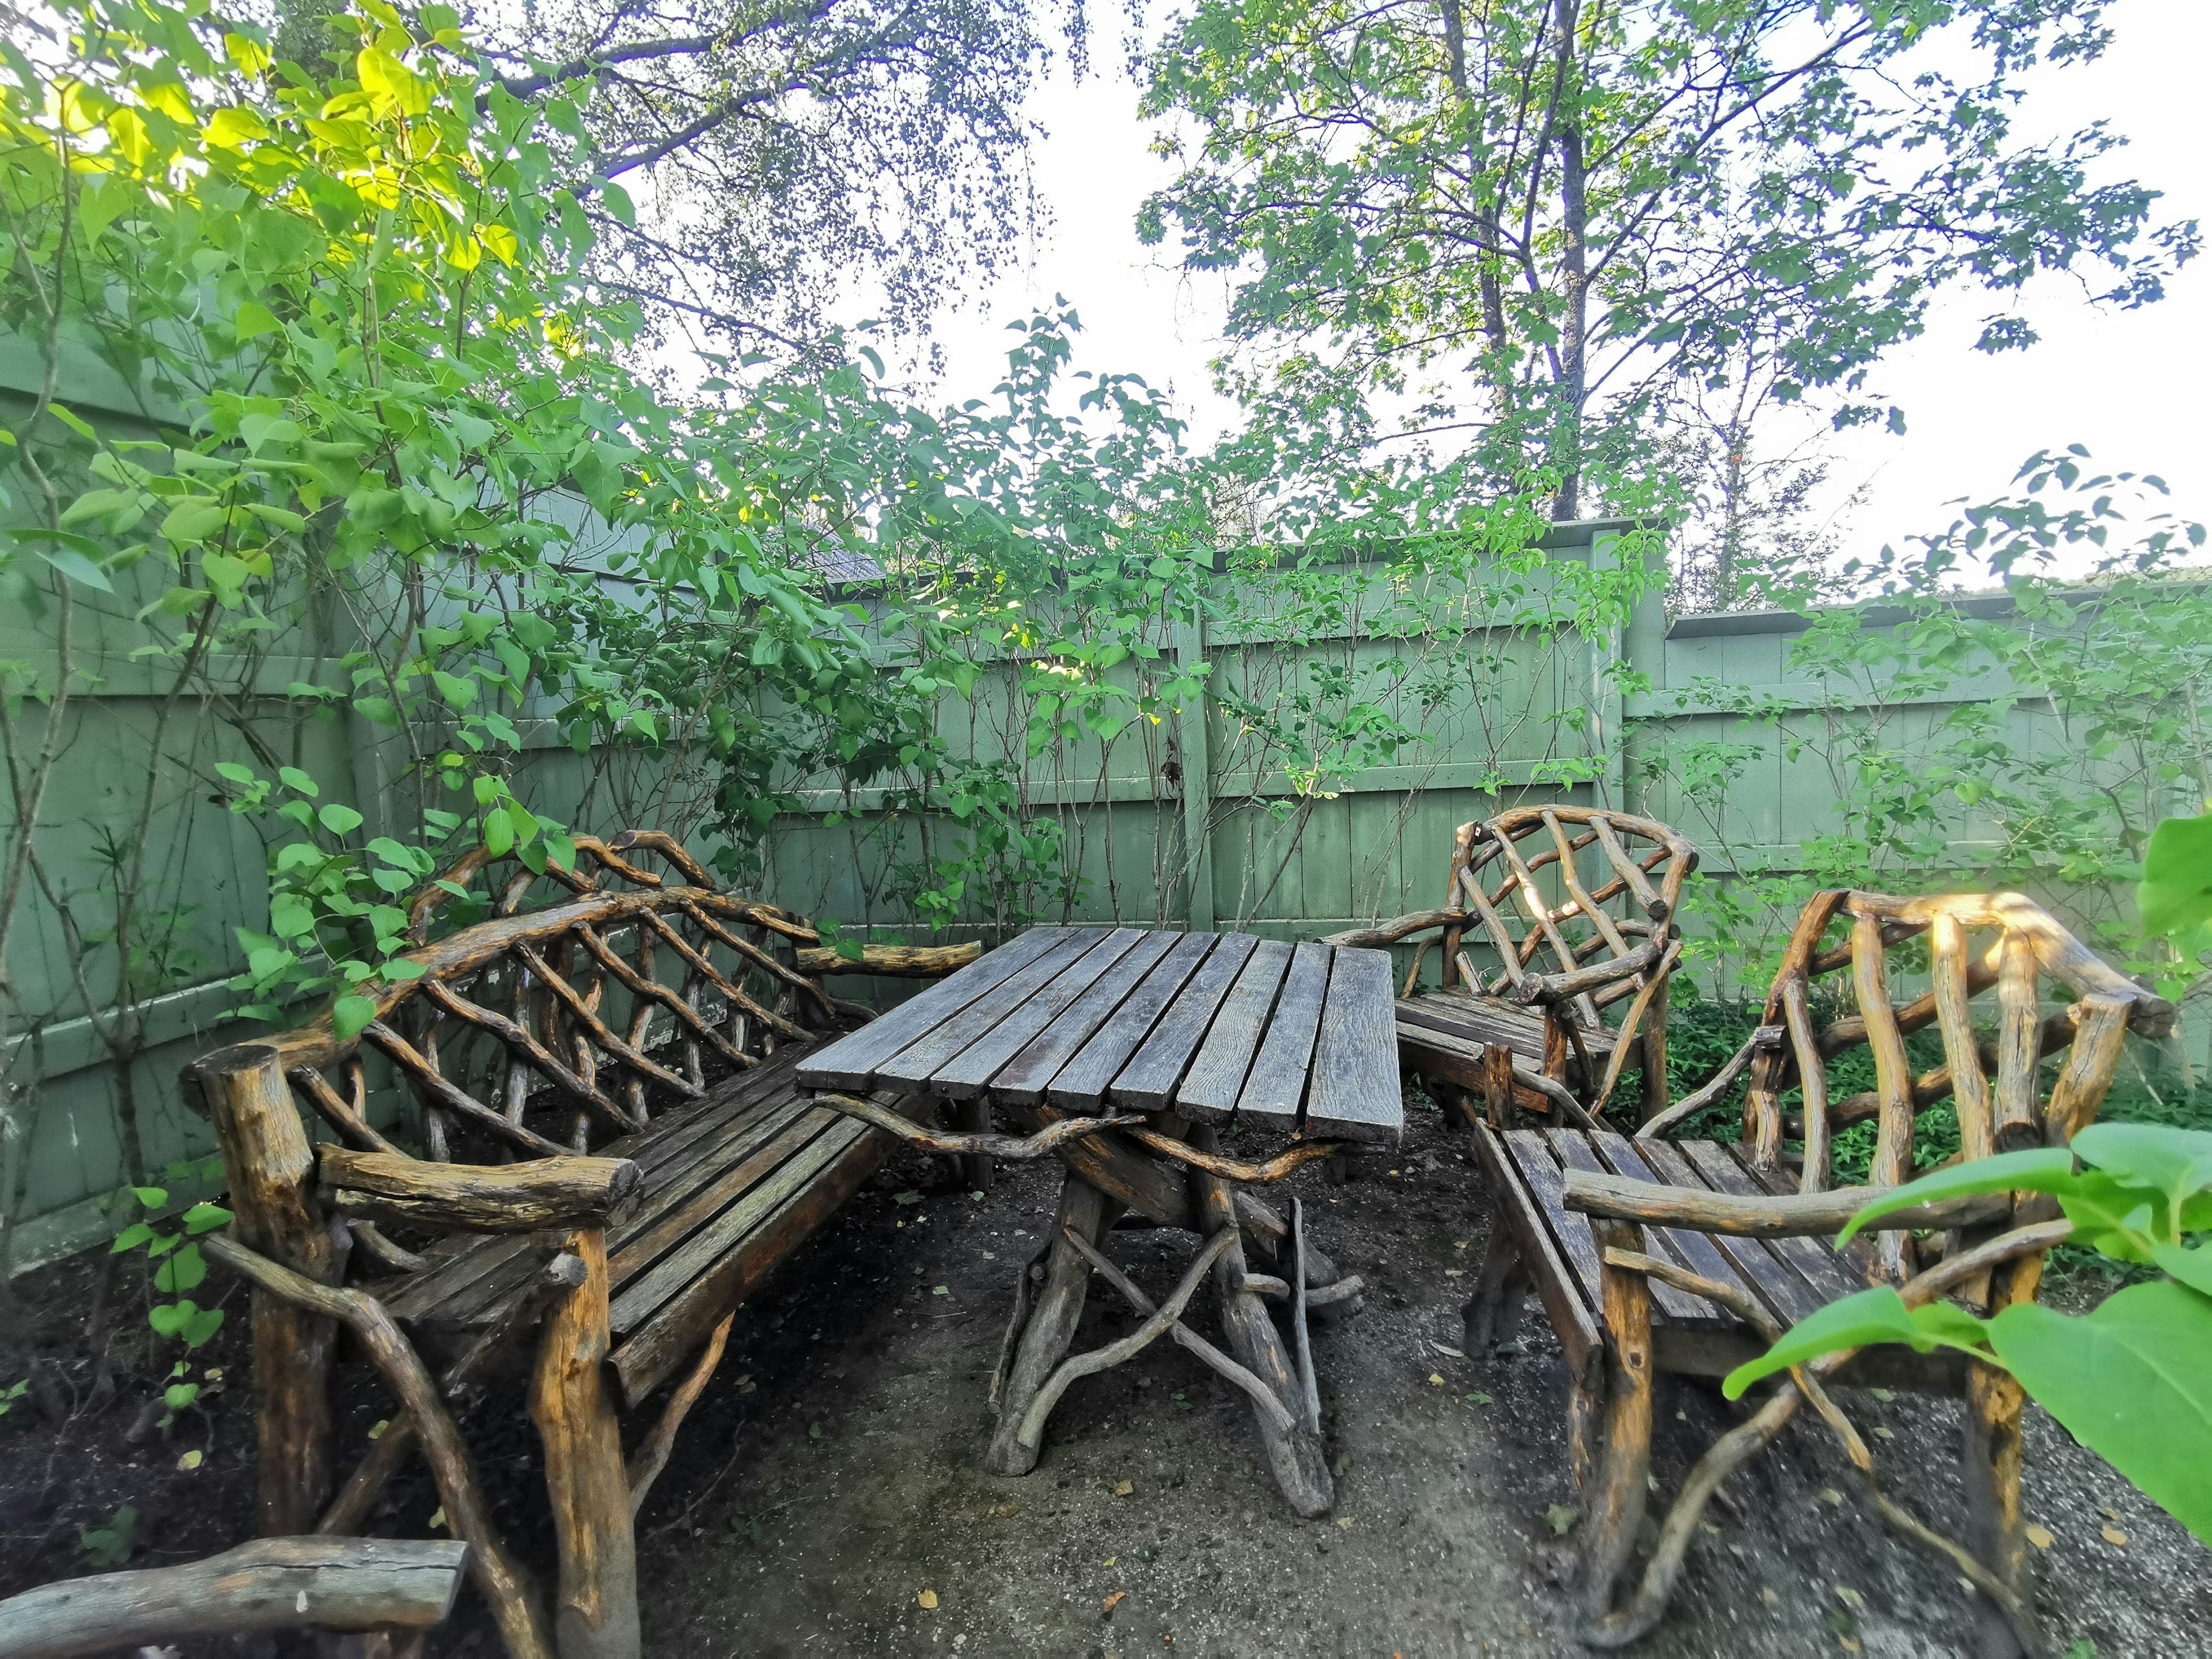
x: 542, y: 1016
x: 538, y: 1031
x: 1970, y: 944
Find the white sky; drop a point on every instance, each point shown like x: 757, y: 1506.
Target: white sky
x: 2131, y: 385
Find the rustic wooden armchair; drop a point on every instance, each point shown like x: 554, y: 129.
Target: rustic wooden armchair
x: 615, y: 1153
x: 1651, y: 1254
x: 1593, y: 893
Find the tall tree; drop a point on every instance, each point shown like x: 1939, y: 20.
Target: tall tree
x: 749, y: 164
x: 1586, y: 204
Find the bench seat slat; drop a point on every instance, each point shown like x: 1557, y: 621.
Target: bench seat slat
x: 1575, y: 1151
x: 1569, y: 1312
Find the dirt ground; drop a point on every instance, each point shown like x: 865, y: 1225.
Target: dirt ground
x: 826, y: 1496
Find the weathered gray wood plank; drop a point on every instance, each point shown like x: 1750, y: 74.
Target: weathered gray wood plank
x: 913, y: 1066
x: 968, y: 1073
x: 1784, y: 1293
x: 1148, y: 1082
x: 1209, y: 1088
x: 1024, y: 1079
x: 1570, y: 1229
x: 850, y: 1061
x: 1274, y: 1091
x: 1695, y: 1250
x: 1479, y: 1019
x: 1355, y: 1092
x: 1081, y: 1085
x: 1574, y: 1150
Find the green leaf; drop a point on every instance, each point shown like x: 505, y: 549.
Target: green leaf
x: 459, y: 692
x: 1873, y: 1316
x: 2193, y: 1268
x: 339, y: 819
x: 182, y: 1272
x: 2172, y: 1165
x: 2042, y: 1170
x: 349, y: 1016
x: 178, y: 1395
x: 254, y: 320
x: 204, y: 1324
x: 152, y: 1197
x: 499, y: 832
x: 73, y: 564
x: 2131, y: 1381
x: 293, y: 778
x: 2176, y: 890
x: 205, y: 1218
x: 130, y: 1238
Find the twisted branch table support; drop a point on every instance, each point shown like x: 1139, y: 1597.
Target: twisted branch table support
x: 1294, y: 1457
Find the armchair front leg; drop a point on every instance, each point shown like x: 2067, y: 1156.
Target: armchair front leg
x: 1613, y: 1503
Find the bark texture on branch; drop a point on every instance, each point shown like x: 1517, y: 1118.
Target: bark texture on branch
x: 504, y: 1584
x: 595, y: 1606
x: 273, y: 1584
x: 894, y: 961
x: 270, y: 1167
x: 539, y: 1195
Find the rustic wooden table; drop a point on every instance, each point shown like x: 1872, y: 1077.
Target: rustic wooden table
x: 1122, y: 1052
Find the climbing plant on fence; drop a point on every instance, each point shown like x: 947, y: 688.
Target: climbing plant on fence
x: 2036, y: 747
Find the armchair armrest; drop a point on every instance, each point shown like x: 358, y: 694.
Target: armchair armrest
x: 1565, y: 987
x: 1404, y: 926
x: 479, y: 1198
x: 1797, y: 1215
x: 893, y: 960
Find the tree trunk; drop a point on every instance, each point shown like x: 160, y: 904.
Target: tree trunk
x: 1573, y: 277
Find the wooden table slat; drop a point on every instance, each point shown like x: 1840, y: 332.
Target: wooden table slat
x: 1081, y: 1084
x: 1023, y: 1080
x: 913, y: 1066
x: 1211, y: 1086
x: 850, y: 1061
x: 1356, y: 1093
x: 1274, y: 1091
x: 1148, y: 1082
x: 969, y: 1072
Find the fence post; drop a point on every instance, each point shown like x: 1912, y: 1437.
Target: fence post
x: 1197, y: 779
x: 269, y: 1165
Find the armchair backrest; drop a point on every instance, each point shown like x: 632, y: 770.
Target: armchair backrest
x: 1974, y: 944
x: 1558, y: 890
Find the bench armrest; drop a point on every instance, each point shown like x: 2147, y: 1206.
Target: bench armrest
x: 893, y: 960
x: 1399, y: 927
x: 1802, y: 1215
x: 479, y: 1198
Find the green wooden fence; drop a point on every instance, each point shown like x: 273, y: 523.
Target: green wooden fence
x: 1205, y: 820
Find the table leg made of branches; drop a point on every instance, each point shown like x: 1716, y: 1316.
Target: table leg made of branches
x: 1172, y: 1173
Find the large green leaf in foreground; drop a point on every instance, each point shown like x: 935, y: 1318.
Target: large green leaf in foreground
x: 2131, y: 1381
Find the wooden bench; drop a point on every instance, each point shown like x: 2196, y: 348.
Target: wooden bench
x: 1593, y: 892
x: 631, y: 1048
x: 1654, y: 1256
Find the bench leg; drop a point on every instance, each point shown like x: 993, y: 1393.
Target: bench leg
x: 595, y: 1612
x: 270, y: 1168
x: 1614, y: 1502
x: 1491, y: 1312
x: 1498, y: 1084
x: 1295, y: 1458
x: 1046, y: 1338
